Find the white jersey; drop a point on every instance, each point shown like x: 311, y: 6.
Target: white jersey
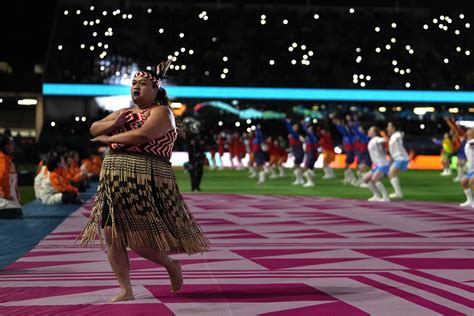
x: 377, y: 151
x: 42, y: 174
x: 469, y: 150
x: 13, y: 183
x: 44, y: 190
x: 395, y: 146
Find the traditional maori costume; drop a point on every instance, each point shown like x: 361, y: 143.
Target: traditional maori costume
x: 138, y: 195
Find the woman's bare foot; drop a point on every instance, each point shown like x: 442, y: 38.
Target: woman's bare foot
x: 176, y: 277
x: 123, y: 296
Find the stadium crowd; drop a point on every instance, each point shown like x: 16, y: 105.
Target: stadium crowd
x: 275, y: 46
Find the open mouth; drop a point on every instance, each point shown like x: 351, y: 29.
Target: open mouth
x: 136, y: 93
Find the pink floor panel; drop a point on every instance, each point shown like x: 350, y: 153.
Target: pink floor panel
x: 271, y: 255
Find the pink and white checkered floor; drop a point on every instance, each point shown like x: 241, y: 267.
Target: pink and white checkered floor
x: 271, y: 255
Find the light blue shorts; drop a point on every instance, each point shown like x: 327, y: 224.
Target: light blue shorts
x: 383, y: 169
x: 401, y: 165
x: 469, y: 175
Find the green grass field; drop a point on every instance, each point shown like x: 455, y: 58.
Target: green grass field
x: 27, y: 194
x: 417, y: 185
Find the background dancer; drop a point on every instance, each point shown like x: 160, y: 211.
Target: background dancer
x: 467, y: 181
x: 399, y: 157
x: 311, y: 153
x: 282, y: 153
x: 446, y: 153
x: 460, y: 140
x: 361, y: 141
x: 273, y: 156
x: 327, y: 145
x: 248, y: 147
x: 296, y: 149
x: 348, y: 148
x: 258, y: 154
x: 381, y: 166
x: 239, y: 150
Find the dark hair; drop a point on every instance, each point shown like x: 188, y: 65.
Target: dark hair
x: 4, y: 141
x: 162, y: 96
x: 376, y: 129
x: 394, y: 124
x: 153, y: 74
x: 52, y: 161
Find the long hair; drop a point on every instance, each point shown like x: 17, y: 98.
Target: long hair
x: 162, y: 96
x: 52, y: 160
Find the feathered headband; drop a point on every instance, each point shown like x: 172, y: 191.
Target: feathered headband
x: 160, y: 73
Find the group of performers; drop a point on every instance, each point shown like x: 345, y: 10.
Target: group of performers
x: 62, y: 175
x: 307, y: 141
x: 370, y: 149
x: 376, y: 153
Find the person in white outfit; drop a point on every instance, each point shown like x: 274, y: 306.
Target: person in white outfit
x: 378, y: 155
x: 399, y: 156
x: 40, y: 177
x: 52, y: 188
x: 467, y: 181
x: 296, y: 145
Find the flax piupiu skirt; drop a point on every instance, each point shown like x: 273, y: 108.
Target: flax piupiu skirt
x: 139, y: 199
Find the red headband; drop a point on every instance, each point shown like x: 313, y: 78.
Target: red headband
x: 145, y: 74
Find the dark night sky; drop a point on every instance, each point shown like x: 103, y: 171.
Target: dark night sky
x: 26, y: 26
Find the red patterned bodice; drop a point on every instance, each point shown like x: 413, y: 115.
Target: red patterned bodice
x: 162, y: 146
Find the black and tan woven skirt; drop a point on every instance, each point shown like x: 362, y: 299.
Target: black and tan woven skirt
x: 139, y: 199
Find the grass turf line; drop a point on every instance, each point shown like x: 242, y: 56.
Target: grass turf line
x: 419, y: 185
